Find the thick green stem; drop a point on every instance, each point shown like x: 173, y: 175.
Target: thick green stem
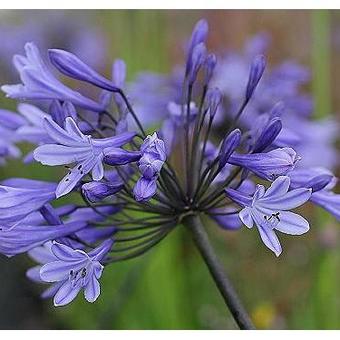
x: 217, y: 272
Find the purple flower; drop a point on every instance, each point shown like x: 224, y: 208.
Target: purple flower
x: 119, y: 156
x: 150, y: 165
x: 33, y: 131
x: 75, y: 270
x: 256, y: 71
x: 42, y: 255
x: 229, y: 145
x: 268, y: 209
x: 315, y: 178
x: 9, y: 123
x: 267, y: 165
x: 209, y: 67
x: 118, y: 78
x: 145, y: 188
x: 322, y: 181
x: 197, y: 60
x: 226, y: 218
x: 75, y: 147
x: 22, y: 237
x: 38, y: 82
x: 72, y: 66
x: 20, y: 197
x: 214, y: 98
x: 176, y: 120
x: 153, y: 156
x: 59, y: 112
x: 199, y: 35
x: 264, y: 132
x: 97, y: 191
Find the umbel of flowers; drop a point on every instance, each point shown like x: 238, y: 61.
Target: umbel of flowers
x: 133, y: 190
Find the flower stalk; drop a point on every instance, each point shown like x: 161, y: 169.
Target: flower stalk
x: 217, y: 272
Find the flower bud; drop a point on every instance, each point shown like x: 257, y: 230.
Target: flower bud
x: 277, y: 109
x: 256, y: 71
x: 199, y: 35
x: 70, y: 65
x: 57, y: 112
x: 209, y: 67
x: 197, y: 60
x: 214, y: 100
x: 150, y: 165
x: 50, y: 215
x: 118, y: 77
x: 97, y: 191
x: 119, y: 156
x: 145, y: 189
x: 268, y: 165
x: 318, y: 183
x: 268, y: 135
x: 119, y: 73
x: 229, y: 145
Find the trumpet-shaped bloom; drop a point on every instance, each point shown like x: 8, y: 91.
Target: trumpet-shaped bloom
x: 19, y: 197
x: 322, y: 181
x: 75, y: 147
x: 22, y: 237
x: 38, y: 82
x: 267, y: 165
x: 75, y: 270
x: 269, y: 210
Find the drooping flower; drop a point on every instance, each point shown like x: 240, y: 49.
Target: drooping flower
x: 75, y: 147
x: 75, y: 270
x: 39, y: 83
x: 269, y: 210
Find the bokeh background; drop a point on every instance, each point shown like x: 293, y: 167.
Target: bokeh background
x: 170, y: 287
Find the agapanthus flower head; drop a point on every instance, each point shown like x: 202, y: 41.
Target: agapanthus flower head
x: 135, y: 187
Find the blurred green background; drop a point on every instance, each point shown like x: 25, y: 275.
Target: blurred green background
x: 170, y: 287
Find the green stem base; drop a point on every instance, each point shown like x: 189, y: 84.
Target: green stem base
x: 216, y: 269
